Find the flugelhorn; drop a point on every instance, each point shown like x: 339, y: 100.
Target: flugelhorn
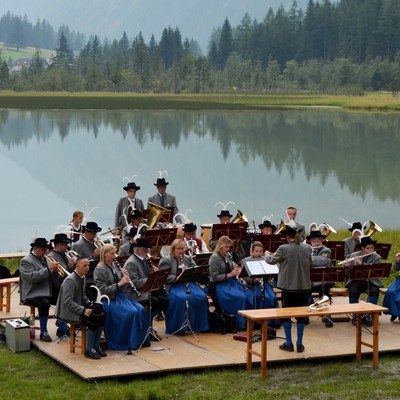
x: 281, y: 227
x: 71, y: 254
x: 239, y: 217
x: 321, y: 303
x: 59, y: 269
x: 326, y: 229
x: 371, y: 228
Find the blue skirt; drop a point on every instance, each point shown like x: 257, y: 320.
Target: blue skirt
x: 198, y: 309
x: 254, y: 294
x: 392, y: 298
x: 232, y: 298
x: 126, y: 323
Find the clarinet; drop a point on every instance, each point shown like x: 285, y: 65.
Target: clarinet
x: 181, y: 267
x: 125, y: 272
x: 241, y: 280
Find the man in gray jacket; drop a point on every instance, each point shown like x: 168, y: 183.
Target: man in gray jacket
x: 73, y: 306
x: 294, y: 259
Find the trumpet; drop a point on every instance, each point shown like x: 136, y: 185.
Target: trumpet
x: 59, y: 269
x: 98, y: 243
x: 354, y: 258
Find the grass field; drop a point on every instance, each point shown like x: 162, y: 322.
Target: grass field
x: 378, y: 102
x: 8, y: 53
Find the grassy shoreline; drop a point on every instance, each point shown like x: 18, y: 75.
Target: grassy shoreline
x: 376, y: 102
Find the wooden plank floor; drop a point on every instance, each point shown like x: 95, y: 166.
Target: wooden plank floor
x: 211, y: 351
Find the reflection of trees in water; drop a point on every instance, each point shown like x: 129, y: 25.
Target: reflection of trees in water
x: 359, y: 149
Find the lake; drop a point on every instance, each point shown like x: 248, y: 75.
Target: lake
x: 331, y: 164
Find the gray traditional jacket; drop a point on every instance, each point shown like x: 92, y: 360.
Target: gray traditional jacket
x: 370, y: 259
x: 123, y: 204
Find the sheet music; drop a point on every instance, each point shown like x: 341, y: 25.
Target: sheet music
x: 261, y: 267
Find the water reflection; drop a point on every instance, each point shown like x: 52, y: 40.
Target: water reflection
x: 330, y: 164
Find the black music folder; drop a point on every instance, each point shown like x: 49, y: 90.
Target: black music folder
x: 202, y: 259
x: 194, y: 274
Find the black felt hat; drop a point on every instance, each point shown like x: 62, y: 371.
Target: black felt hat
x: 131, y: 185
x: 315, y: 234
x: 161, y: 182
x: 190, y: 227
x: 136, y: 214
x: 91, y: 227
x: 61, y: 238
x: 267, y: 224
x: 366, y: 240
x: 356, y: 225
x: 225, y: 213
x: 142, y: 243
x: 42, y: 243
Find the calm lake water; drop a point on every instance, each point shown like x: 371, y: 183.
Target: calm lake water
x: 330, y: 164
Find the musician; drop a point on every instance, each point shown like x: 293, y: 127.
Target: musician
x: 86, y: 248
x: 227, y: 291
x: 179, y: 294
x: 75, y: 227
x: 294, y: 259
x: 259, y: 299
x: 351, y: 242
x: 320, y: 257
x: 189, y: 231
x: 266, y: 228
x: 164, y: 199
x: 366, y: 256
x: 73, y: 306
x: 127, y: 248
x: 35, y: 282
x: 126, y: 205
x: 291, y: 213
x: 61, y: 243
x: 126, y: 322
x: 139, y: 267
x: 392, y: 295
x: 135, y: 220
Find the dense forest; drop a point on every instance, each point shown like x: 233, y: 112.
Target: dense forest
x: 339, y: 47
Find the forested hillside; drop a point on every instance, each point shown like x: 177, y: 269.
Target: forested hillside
x: 347, y: 46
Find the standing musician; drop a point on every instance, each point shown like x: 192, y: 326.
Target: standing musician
x: 73, y: 306
x: 178, y: 293
x: 36, y: 284
x: 320, y: 257
x: 86, y: 248
x: 75, y: 227
x: 351, y: 242
x: 227, y: 290
x: 291, y: 213
x: 126, y: 323
x: 365, y: 256
x: 294, y: 259
x: 164, y: 199
x: 139, y: 267
x: 126, y: 205
x: 189, y: 231
x: 127, y: 248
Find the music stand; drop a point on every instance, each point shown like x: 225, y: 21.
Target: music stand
x: 336, y: 247
x: 270, y: 242
x: 327, y: 274
x: 381, y: 248
x: 365, y: 272
x: 161, y: 237
x: 153, y: 283
x: 167, y: 217
x: 202, y: 259
x: 233, y: 231
x: 187, y: 276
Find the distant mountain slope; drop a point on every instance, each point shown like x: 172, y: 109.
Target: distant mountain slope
x: 195, y: 18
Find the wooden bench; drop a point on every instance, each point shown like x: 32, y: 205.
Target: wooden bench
x: 6, y: 284
x: 339, y: 291
x: 73, y: 344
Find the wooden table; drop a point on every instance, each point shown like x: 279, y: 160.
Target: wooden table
x: 6, y: 284
x: 13, y: 255
x: 262, y: 316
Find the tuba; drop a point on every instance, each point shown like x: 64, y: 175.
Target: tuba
x: 239, y: 217
x: 155, y: 213
x: 372, y: 228
x: 326, y: 229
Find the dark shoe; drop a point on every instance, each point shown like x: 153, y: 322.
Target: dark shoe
x: 100, y: 352
x: 393, y: 318
x: 328, y: 321
x: 367, y: 320
x: 61, y: 333
x: 155, y: 336
x: 160, y: 316
x: 300, y: 348
x: 45, y: 337
x: 92, y: 354
x: 353, y: 319
x: 287, y: 347
x: 306, y: 321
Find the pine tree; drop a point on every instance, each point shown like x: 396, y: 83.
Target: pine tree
x: 64, y: 56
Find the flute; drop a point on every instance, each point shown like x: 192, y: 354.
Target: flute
x: 355, y: 257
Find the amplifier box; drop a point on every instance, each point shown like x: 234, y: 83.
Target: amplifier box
x: 17, y: 335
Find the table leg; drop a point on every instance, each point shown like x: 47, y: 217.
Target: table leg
x: 8, y: 301
x: 249, y: 344
x: 1, y: 298
x: 264, y: 334
x: 375, y: 340
x: 358, y: 336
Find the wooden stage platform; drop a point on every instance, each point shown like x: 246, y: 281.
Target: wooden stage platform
x: 211, y: 351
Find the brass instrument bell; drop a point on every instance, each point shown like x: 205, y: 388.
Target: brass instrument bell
x: 372, y: 228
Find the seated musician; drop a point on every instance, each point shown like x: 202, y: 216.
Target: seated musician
x: 127, y: 248
x: 135, y: 220
x: 351, y: 242
x: 126, y: 321
x: 73, y: 306
x: 262, y: 293
x: 367, y: 255
x: 227, y: 291
x: 75, y: 227
x: 178, y: 294
x: 164, y: 199
x: 392, y: 295
x: 139, y: 267
x: 189, y: 231
x: 36, y: 284
x: 320, y: 257
x: 126, y: 205
x: 86, y: 248
x: 291, y: 213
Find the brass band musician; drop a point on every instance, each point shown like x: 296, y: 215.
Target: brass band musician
x: 351, y: 242
x: 126, y: 205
